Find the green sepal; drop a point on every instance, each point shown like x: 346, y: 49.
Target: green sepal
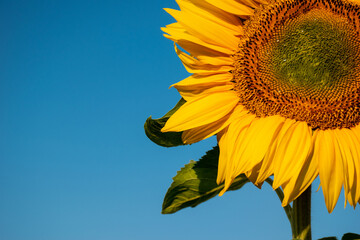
x: 196, y: 183
x: 351, y: 236
x: 153, y: 129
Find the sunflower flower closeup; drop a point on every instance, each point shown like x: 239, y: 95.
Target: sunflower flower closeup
x: 278, y: 83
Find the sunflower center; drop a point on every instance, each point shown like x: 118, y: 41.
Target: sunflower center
x: 301, y: 60
x: 313, y: 53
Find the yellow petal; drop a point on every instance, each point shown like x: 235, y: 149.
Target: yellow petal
x: 304, y: 177
x: 201, y: 111
x: 235, y: 131
x: 190, y: 95
x: 193, y: 65
x: 330, y: 167
x: 217, y: 61
x: 253, y: 174
x: 204, y: 52
x: 198, y: 82
x: 213, y: 14
x: 349, y: 153
x: 291, y: 154
x: 354, y: 141
x: 253, y: 3
x: 201, y: 50
x: 193, y: 44
x: 223, y: 157
x: 237, y: 8
x: 204, y: 29
x: 262, y: 1
x: 267, y: 167
x: 200, y: 133
x: 356, y: 136
x: 255, y: 142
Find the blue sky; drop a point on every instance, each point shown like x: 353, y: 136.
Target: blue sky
x: 78, y: 80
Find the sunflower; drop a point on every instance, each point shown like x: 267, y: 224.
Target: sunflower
x: 278, y: 82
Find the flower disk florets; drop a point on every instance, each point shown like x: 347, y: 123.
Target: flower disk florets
x: 300, y: 60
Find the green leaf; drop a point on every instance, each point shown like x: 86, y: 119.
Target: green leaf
x: 328, y: 238
x: 153, y: 129
x: 196, y: 183
x: 351, y: 236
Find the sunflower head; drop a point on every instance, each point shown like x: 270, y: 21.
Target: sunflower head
x: 278, y: 82
x: 301, y: 61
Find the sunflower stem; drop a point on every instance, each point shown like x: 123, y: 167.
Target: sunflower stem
x: 301, y: 216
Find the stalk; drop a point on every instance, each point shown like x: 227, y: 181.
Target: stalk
x: 301, y: 216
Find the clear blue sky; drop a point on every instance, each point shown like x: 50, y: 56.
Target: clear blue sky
x: 77, y: 81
